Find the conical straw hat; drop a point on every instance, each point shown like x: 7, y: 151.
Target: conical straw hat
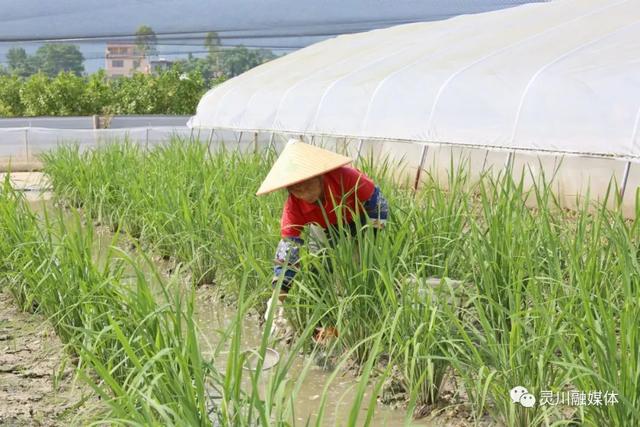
x: 299, y: 162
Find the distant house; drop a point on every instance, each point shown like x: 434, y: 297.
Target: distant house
x: 160, y: 64
x: 123, y: 59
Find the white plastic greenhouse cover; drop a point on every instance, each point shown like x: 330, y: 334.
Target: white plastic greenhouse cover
x: 560, y: 77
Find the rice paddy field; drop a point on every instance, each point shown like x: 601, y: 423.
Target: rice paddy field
x: 153, y: 268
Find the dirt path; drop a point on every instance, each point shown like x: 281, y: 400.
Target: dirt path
x: 34, y: 390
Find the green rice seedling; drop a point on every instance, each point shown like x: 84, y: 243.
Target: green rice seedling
x: 353, y: 283
x: 420, y: 337
x: 184, y: 213
x: 63, y: 166
x: 22, y: 245
x: 117, y: 350
x: 440, y: 222
x: 145, y: 353
x: 360, y: 281
x: 511, y: 334
x: 603, y: 352
x: 545, y: 291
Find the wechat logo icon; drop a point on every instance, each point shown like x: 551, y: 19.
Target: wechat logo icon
x: 522, y: 396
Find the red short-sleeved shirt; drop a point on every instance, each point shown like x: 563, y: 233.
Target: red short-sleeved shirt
x: 337, y: 183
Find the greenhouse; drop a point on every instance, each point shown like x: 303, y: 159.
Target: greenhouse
x: 555, y: 79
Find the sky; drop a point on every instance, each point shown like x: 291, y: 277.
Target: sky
x: 280, y: 25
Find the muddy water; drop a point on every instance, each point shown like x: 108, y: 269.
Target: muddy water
x: 214, y: 317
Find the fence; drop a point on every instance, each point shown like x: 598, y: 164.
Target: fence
x: 88, y: 122
x: 574, y: 176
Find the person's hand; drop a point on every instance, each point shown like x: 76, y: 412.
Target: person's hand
x: 378, y: 223
x: 280, y: 327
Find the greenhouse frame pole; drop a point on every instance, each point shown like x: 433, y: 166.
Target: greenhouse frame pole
x: 26, y: 144
x: 211, y: 132
x: 625, y: 178
x: 484, y: 162
x: 271, y: 141
x: 239, y: 140
x: 423, y: 156
x: 255, y: 142
x: 507, y: 164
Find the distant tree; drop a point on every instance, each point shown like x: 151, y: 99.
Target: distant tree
x: 240, y: 59
x: 135, y: 95
x: 10, y: 103
x: 51, y: 59
x: 34, y: 95
x: 19, y: 63
x: 212, y: 43
x: 97, y: 94
x: 175, y: 91
x: 202, y: 66
x: 178, y: 91
x: 66, y: 94
x: 146, y: 40
x: 266, y: 55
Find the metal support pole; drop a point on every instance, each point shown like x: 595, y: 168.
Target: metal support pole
x: 26, y: 144
x: 271, y: 141
x: 96, y: 139
x: 255, y: 142
x: 240, y: 138
x: 209, y: 141
x: 484, y: 163
x: 509, y: 159
x: 625, y: 178
x: 146, y: 140
x: 359, y: 149
x: 423, y: 156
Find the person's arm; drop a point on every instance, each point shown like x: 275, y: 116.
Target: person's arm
x: 369, y: 194
x: 286, y: 265
x: 286, y: 262
x: 377, y: 208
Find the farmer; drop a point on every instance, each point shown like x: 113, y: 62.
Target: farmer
x: 318, y: 181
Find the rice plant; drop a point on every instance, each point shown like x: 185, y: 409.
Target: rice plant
x: 548, y: 301
x: 134, y: 335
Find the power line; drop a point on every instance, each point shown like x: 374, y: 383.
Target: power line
x: 233, y: 34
